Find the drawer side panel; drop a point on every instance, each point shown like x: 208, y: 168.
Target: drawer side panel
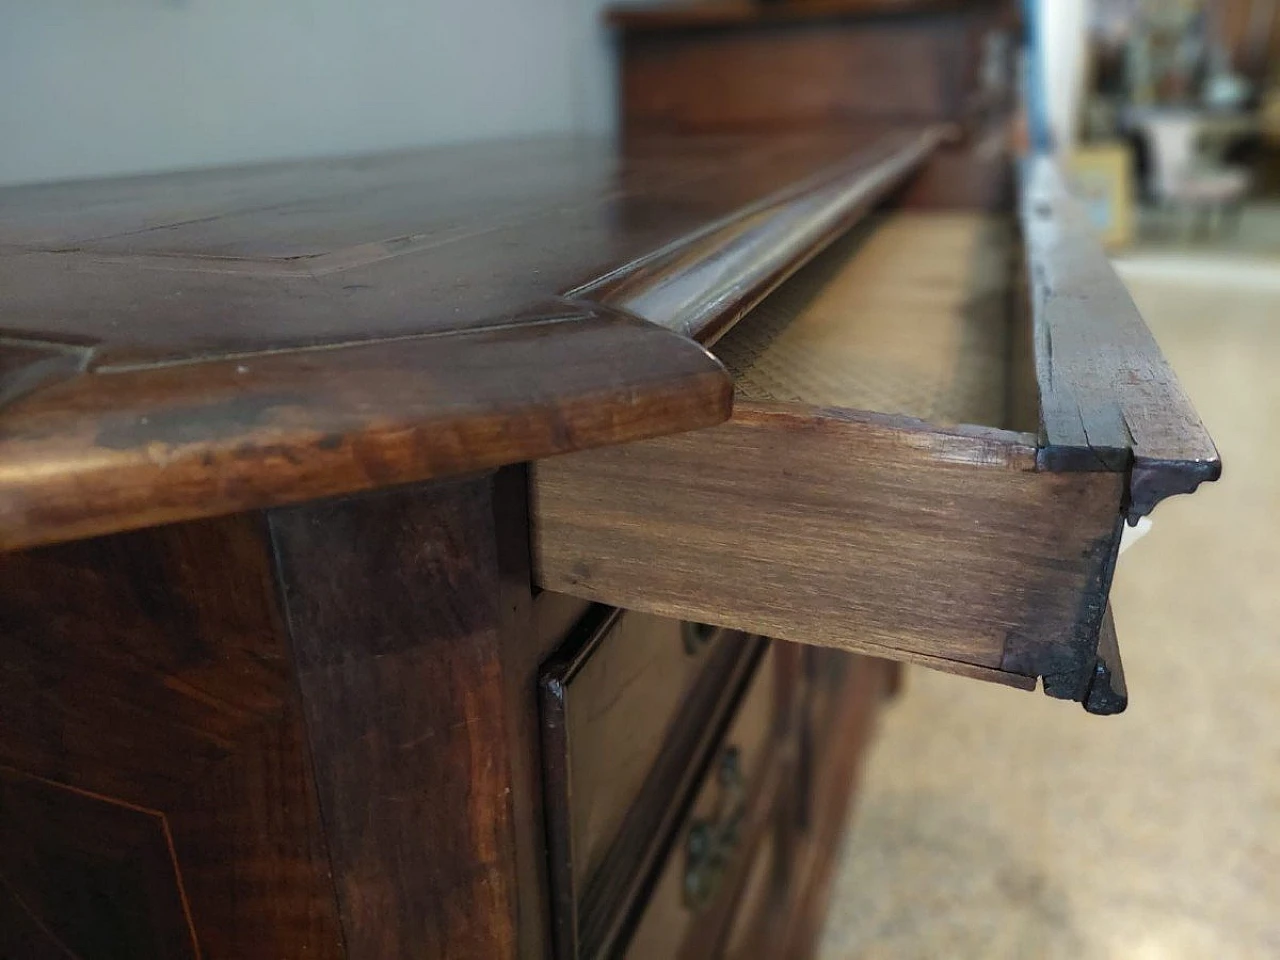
x: 871, y: 534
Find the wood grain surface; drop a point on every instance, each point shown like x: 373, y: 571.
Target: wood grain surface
x: 875, y: 534
x: 105, y: 451
x: 193, y: 266
x: 621, y: 892
x: 409, y: 613
x: 1108, y: 398
x: 156, y: 790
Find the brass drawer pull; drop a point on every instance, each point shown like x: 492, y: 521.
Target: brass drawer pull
x: 712, y: 842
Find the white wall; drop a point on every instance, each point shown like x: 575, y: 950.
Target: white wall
x: 100, y: 87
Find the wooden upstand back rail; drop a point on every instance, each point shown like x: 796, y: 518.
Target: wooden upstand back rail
x: 391, y: 571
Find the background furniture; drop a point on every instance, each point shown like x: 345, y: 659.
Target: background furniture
x: 1101, y: 176
x: 738, y: 66
x: 1184, y: 179
x: 734, y: 65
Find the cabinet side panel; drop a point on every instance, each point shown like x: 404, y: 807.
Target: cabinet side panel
x: 155, y: 787
x: 871, y: 534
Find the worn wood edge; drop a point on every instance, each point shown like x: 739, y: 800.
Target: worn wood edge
x: 871, y: 648
x: 70, y: 483
x: 702, y: 284
x: 1151, y: 481
x: 960, y: 668
x: 569, y: 659
x: 29, y: 363
x: 963, y: 443
x: 1108, y: 693
x: 971, y: 671
x: 1084, y: 667
x: 1078, y: 436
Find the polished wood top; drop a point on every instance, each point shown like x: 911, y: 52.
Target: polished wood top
x: 199, y: 343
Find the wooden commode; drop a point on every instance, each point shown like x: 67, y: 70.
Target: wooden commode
x: 504, y: 550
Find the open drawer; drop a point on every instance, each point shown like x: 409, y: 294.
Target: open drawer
x: 940, y: 426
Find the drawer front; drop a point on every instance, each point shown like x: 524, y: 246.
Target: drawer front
x: 816, y: 809
x: 839, y: 727
x: 826, y: 672
x: 826, y: 682
x: 625, y: 705
x: 874, y: 489
x: 710, y: 852
x: 758, y: 902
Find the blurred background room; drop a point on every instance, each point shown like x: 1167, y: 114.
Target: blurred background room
x: 986, y: 827
x: 987, y: 832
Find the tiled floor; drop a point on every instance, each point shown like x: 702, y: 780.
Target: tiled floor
x: 995, y: 824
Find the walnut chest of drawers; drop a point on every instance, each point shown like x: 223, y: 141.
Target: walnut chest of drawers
x: 503, y: 551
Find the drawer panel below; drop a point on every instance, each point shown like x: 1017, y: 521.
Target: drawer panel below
x: 715, y: 842
x: 626, y: 708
